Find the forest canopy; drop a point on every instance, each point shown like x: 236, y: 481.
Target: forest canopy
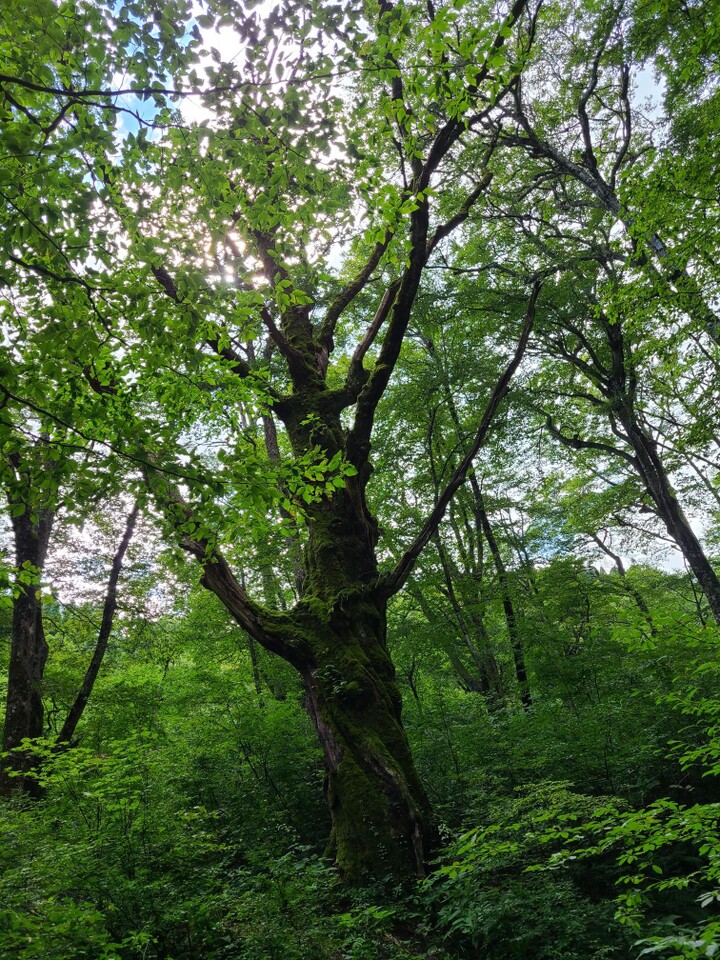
x: 359, y: 580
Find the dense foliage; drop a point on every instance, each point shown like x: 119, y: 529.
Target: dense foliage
x: 359, y: 589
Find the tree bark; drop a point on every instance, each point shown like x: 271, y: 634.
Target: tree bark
x: 652, y: 470
x: 24, y: 716
x: 335, y: 637
x: 381, y: 819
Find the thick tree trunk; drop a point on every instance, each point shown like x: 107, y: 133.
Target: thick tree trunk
x: 28, y: 653
x: 335, y: 637
x: 381, y: 818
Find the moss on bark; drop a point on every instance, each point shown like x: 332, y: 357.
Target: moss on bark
x: 381, y: 818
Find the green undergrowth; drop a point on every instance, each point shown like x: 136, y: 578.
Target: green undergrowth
x: 190, y: 825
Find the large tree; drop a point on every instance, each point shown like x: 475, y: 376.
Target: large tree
x: 263, y: 265
x: 226, y: 250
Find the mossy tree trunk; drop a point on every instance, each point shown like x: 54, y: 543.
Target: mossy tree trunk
x: 381, y: 818
x: 335, y: 637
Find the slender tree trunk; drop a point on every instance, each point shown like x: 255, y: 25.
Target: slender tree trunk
x: 651, y: 468
x: 516, y: 644
x: 618, y: 384
x: 77, y: 709
x: 468, y: 681
x: 28, y: 653
x: 489, y: 682
x: 485, y: 530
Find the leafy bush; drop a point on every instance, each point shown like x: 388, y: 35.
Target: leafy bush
x: 668, y: 852
x: 486, y: 897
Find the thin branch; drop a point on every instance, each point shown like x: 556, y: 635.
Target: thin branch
x: 371, y: 333
x: 461, y: 216
x: 453, y: 129
x: 590, y: 159
x: 124, y: 454
x: 77, y: 709
x: 80, y: 95
x: 348, y: 294
x: 627, y: 124
x: 240, y: 367
x: 394, y: 581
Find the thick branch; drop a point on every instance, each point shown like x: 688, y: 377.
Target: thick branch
x: 359, y: 439
x: 577, y: 443
x: 219, y: 578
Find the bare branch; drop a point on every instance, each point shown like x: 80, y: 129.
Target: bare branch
x: 348, y: 294
x: 590, y: 159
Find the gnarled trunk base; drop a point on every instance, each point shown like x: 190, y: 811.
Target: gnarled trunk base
x: 381, y: 819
